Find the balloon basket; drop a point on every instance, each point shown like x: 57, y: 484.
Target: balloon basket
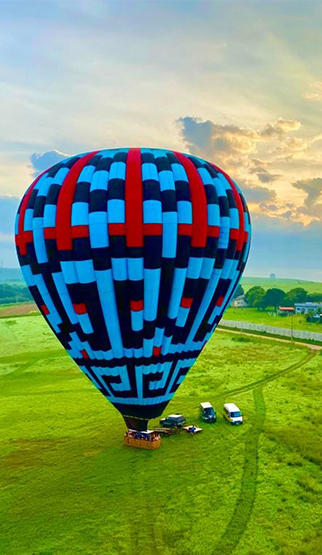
x: 143, y: 440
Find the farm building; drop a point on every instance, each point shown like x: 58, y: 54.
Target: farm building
x: 284, y: 310
x: 239, y: 302
x: 306, y: 308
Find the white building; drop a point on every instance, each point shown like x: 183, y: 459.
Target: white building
x: 305, y: 308
x: 239, y: 302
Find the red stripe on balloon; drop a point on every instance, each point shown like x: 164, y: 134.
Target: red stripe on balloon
x: 136, y: 306
x: 44, y: 309
x: 234, y: 234
x: 80, y: 231
x: 134, y: 199
x: 220, y: 300
x: 24, y: 237
x: 80, y: 308
x: 198, y: 200
x: 152, y: 229
x: 50, y: 232
x: 148, y: 229
x: 116, y: 229
x: 156, y: 351
x: 213, y: 231
x: 84, y: 354
x: 65, y: 201
x: 186, y: 302
x: 185, y: 229
x: 239, y: 204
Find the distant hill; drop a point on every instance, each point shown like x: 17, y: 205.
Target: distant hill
x: 281, y: 283
x: 14, y: 274
x: 10, y: 274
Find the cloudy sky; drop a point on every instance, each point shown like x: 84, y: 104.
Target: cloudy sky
x: 239, y: 83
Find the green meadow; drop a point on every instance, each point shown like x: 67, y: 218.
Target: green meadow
x: 68, y: 484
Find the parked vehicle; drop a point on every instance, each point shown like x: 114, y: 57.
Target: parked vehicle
x: 233, y: 414
x: 208, y: 413
x: 173, y: 421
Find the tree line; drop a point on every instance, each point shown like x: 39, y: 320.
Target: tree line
x: 14, y: 293
x: 259, y: 298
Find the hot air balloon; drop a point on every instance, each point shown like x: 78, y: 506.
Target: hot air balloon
x: 132, y: 256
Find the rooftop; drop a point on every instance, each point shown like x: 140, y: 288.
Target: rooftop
x: 231, y: 407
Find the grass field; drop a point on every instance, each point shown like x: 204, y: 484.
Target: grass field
x: 69, y: 485
x: 297, y: 321
x: 281, y: 283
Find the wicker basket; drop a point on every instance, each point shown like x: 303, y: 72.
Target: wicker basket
x: 142, y: 443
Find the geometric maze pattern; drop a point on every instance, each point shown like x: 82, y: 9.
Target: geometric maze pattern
x: 132, y: 255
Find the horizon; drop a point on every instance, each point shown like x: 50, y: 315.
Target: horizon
x: 245, y: 275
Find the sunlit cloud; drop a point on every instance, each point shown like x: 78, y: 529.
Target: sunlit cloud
x: 270, y: 156
x: 233, y: 145
x: 315, y: 92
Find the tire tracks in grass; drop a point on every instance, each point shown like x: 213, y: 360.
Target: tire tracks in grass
x: 20, y: 357
x: 24, y: 367
x: 21, y: 368
x: 272, y: 377
x: 144, y: 538
x: 244, y: 505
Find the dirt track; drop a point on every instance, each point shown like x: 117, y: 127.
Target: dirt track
x: 17, y: 309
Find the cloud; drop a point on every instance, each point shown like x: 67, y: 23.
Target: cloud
x: 315, y: 92
x: 258, y: 164
x: 41, y: 162
x: 279, y: 128
x: 256, y: 194
x: 266, y: 177
x: 292, y: 147
x: 313, y: 190
x: 268, y: 207
x: 317, y: 138
x: 261, y: 156
x: 212, y: 140
x: 232, y: 145
x: 312, y: 187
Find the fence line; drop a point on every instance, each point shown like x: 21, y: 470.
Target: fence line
x: 298, y: 334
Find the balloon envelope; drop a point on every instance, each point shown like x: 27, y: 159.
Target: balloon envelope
x: 132, y: 255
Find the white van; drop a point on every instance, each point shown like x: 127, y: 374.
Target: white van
x: 233, y: 414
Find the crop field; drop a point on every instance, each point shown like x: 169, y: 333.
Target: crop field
x: 297, y: 321
x: 69, y: 486
x: 281, y: 283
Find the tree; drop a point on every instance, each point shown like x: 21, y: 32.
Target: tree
x: 13, y: 293
x: 314, y: 298
x: 274, y: 297
x: 239, y: 291
x: 259, y: 300
x: 253, y: 293
x: 296, y: 295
